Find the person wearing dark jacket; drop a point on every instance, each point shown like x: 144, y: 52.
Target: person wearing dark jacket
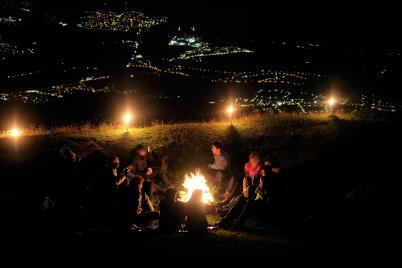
x: 250, y: 184
x: 142, y: 166
x: 218, y: 172
x: 171, y: 212
x: 196, y: 221
x: 137, y: 215
x: 257, y: 193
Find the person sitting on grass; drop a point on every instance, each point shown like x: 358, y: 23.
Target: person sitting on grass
x: 264, y: 198
x: 251, y: 181
x: 113, y: 179
x: 76, y: 152
x: 171, y: 212
x: 139, y: 217
x: 196, y: 220
x: 219, y: 170
x: 141, y: 163
x: 258, y: 194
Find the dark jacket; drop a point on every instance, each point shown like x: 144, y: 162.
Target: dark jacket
x: 171, y: 216
x: 196, y: 218
x: 140, y: 164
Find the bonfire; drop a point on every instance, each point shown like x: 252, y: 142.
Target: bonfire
x: 196, y: 181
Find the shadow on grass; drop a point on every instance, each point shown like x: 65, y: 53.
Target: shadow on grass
x: 233, y: 138
x: 235, y: 147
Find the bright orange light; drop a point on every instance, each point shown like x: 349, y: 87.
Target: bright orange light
x: 230, y: 110
x: 127, y: 118
x: 15, y: 132
x: 196, y: 181
x: 331, y: 101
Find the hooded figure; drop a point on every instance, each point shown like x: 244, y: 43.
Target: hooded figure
x: 195, y: 211
x: 171, y: 212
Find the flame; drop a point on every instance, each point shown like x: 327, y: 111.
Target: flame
x: 15, y: 132
x: 331, y: 101
x: 127, y: 118
x: 195, y: 181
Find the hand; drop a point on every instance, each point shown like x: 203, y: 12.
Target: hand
x: 149, y: 171
x: 276, y: 170
x: 129, y: 168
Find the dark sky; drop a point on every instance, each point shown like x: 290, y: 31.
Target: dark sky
x: 369, y: 24
x: 365, y: 24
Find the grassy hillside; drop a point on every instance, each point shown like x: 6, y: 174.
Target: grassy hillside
x: 284, y: 138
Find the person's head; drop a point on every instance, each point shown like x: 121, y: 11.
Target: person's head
x: 137, y: 182
x: 115, y: 162
x: 141, y: 150
x: 255, y: 159
x: 216, y: 148
x: 170, y: 195
x: 129, y: 168
x: 196, y: 196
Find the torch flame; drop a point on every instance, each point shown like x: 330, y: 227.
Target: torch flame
x: 331, y: 101
x: 127, y: 118
x: 15, y: 132
x: 196, y: 181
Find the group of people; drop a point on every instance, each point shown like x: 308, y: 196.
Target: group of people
x: 240, y: 198
x: 140, y: 183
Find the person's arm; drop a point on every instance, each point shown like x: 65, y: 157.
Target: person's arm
x: 149, y: 203
x: 246, y: 187
x: 120, y: 180
x: 127, y: 172
x: 139, y: 200
x: 276, y: 170
x: 262, y: 182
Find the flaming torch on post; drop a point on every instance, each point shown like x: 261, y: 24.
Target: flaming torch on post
x: 230, y: 110
x: 127, y: 119
x: 15, y: 132
x: 331, y: 103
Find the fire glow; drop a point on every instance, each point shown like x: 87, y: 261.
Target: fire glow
x: 15, y: 132
x: 196, y: 181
